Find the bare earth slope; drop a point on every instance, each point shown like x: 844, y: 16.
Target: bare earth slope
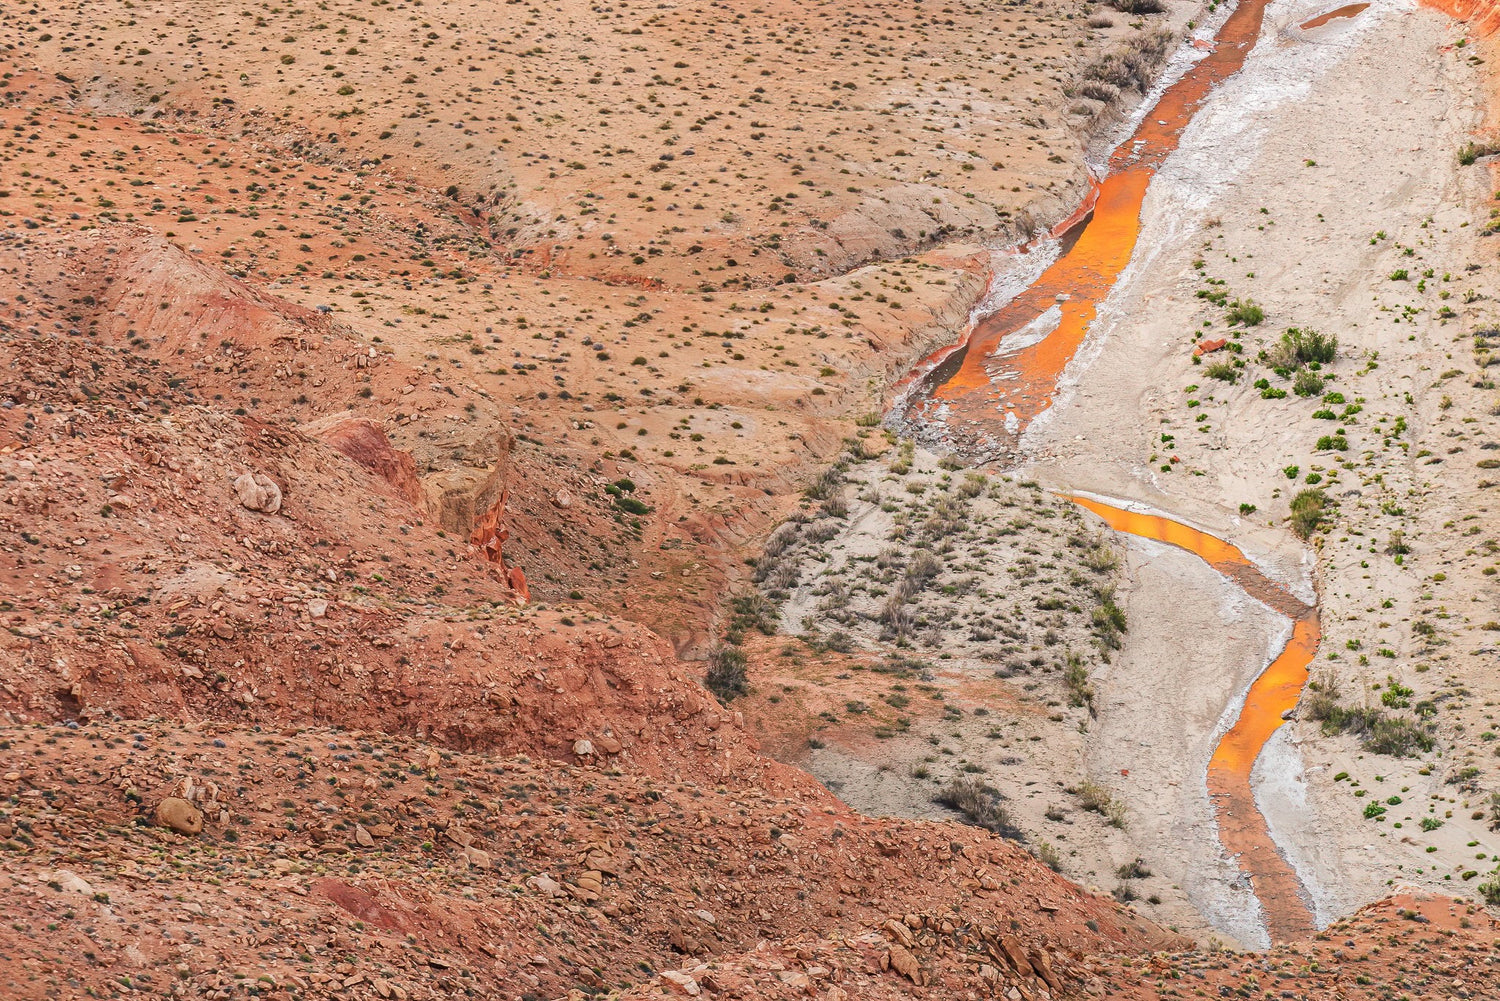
x: 292, y: 299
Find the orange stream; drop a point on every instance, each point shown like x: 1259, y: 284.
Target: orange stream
x: 1348, y: 10
x: 964, y: 376
x: 1242, y: 829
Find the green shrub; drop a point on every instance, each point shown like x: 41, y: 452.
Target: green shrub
x: 1299, y: 347
x: 631, y: 506
x: 1470, y: 152
x: 1100, y: 558
x: 1076, y: 678
x: 1307, y: 383
x: 1223, y: 371
x: 1108, y: 619
x: 1048, y: 856
x: 752, y: 610
x: 1247, y: 313
x: 1378, y: 732
x: 1093, y: 796
x: 1309, y: 511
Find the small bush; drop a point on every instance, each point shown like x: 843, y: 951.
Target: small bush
x: 1378, y: 732
x: 1134, y: 870
x: 726, y: 676
x: 1299, y: 347
x: 1101, y: 558
x: 631, y: 506
x: 1223, y: 371
x: 835, y: 506
x: 1309, y: 511
x: 1246, y: 313
x: 1076, y: 678
x: 1470, y: 152
x: 1108, y: 619
x: 1307, y: 383
x: 924, y: 568
x: 1138, y: 7
x: 980, y: 804
x: 1135, y: 66
x: 1093, y: 796
x: 753, y: 611
x: 826, y: 484
x: 1098, y: 91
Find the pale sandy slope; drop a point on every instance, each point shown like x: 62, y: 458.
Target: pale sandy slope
x: 1379, y: 104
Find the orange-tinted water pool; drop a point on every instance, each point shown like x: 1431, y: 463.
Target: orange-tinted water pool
x: 1004, y: 395
x: 1348, y: 10
x: 1242, y: 828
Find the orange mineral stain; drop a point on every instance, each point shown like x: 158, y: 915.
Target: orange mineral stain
x: 1004, y: 394
x: 1483, y: 16
x: 1242, y: 828
x: 1348, y: 10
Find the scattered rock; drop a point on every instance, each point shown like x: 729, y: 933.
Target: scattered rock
x: 681, y: 983
x: 546, y: 884
x: 903, y: 962
x: 68, y: 880
x: 583, y: 747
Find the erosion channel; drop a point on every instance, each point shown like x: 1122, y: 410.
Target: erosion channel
x: 979, y: 396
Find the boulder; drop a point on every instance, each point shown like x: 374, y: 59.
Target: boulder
x: 258, y: 492
x: 178, y: 815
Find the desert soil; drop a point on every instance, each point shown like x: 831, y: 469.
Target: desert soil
x: 305, y: 311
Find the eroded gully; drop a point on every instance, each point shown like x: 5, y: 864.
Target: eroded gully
x: 983, y: 392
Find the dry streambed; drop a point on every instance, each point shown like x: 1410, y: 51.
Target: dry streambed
x: 1175, y: 687
x: 950, y: 626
